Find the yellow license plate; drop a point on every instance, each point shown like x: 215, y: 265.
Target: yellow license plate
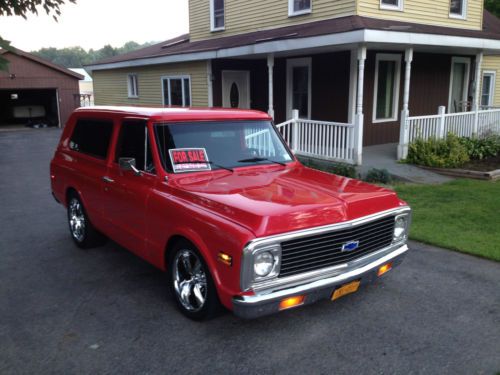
x: 346, y: 289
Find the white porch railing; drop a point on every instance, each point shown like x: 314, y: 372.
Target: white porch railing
x: 463, y: 124
x: 319, y: 139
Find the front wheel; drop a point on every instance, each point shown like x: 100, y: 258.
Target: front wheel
x: 82, y: 231
x: 191, y: 283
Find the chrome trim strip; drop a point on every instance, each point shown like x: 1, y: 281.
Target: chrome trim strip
x: 318, y: 284
x: 246, y: 275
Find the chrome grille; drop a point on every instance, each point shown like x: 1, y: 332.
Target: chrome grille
x: 325, y: 250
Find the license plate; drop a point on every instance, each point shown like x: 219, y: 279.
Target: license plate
x: 345, y: 289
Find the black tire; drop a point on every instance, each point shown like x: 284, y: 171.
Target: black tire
x: 81, y: 229
x: 200, y: 286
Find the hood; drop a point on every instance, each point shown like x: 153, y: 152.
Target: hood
x: 272, y: 199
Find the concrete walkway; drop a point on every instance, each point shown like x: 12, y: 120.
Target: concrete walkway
x: 384, y: 157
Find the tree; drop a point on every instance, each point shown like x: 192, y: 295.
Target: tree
x: 493, y: 6
x: 23, y: 8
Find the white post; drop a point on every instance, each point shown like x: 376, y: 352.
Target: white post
x: 441, y: 113
x: 270, y: 67
x: 358, y: 127
x: 352, y: 86
x: 295, y: 129
x: 210, y: 84
x: 405, y: 113
x: 479, y: 61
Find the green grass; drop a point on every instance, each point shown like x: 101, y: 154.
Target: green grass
x: 462, y: 215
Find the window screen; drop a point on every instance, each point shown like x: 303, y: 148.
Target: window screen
x: 92, y: 137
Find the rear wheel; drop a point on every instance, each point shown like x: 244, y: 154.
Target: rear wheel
x: 82, y: 231
x: 191, y: 283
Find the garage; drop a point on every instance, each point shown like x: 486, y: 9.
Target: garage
x: 35, y: 108
x: 35, y: 92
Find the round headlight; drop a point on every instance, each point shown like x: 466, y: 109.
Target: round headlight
x: 400, y: 228
x: 263, y: 264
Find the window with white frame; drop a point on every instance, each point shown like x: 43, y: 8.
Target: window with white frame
x: 298, y: 7
x: 217, y: 21
x: 391, y: 4
x: 488, y: 89
x: 298, y: 83
x: 458, y: 8
x: 132, y: 86
x: 386, y: 91
x: 177, y: 91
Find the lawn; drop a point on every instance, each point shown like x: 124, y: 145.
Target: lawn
x: 461, y: 215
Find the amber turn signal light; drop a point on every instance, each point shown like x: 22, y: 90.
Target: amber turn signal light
x: 290, y: 302
x: 384, y: 269
x: 226, y: 259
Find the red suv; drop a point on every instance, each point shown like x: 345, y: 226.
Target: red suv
x: 215, y: 198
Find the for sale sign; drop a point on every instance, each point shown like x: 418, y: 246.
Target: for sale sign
x: 189, y: 159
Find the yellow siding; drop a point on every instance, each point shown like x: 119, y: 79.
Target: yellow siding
x: 244, y: 16
x: 110, y: 86
x: 433, y: 12
x: 492, y: 63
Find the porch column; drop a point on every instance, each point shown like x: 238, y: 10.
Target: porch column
x: 359, y: 118
x: 270, y: 70
x: 210, y: 84
x: 477, y: 91
x: 405, y: 113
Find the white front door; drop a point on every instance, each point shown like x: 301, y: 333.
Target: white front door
x: 459, y: 84
x: 236, y: 89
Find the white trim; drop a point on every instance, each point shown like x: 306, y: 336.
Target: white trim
x: 130, y: 84
x: 465, y: 60
x: 397, y: 78
x: 246, y: 73
x: 212, y: 17
x: 210, y: 86
x: 398, y: 7
x: 58, y: 109
x: 182, y: 78
x: 293, y: 13
x: 292, y: 63
x: 359, y: 36
x: 462, y: 16
x: 353, y: 80
x: 491, y: 95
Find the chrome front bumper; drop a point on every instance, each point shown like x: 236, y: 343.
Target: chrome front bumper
x: 267, y: 302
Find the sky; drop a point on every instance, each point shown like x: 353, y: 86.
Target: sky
x: 95, y: 23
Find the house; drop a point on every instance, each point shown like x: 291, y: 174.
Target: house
x: 335, y: 75
x: 35, y: 91
x: 86, y: 86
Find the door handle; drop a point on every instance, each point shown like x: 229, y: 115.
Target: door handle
x: 108, y: 179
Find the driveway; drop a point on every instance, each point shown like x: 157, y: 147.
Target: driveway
x: 64, y: 310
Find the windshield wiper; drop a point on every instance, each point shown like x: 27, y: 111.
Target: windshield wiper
x: 208, y: 162
x: 253, y: 160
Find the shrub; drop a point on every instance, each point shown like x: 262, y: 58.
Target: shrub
x: 481, y: 148
x: 340, y: 169
x: 378, y: 175
x: 440, y: 153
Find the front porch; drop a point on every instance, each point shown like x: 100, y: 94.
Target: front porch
x: 330, y: 104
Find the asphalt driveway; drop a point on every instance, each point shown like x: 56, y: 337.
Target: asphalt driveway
x: 64, y: 310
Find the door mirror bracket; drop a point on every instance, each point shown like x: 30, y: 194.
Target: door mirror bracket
x: 128, y: 164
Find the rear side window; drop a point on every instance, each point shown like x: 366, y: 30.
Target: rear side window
x: 92, y: 137
x: 133, y: 142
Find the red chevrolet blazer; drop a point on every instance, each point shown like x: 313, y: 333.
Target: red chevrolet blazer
x: 217, y: 199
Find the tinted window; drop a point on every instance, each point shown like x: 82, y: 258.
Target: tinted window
x: 133, y: 143
x: 92, y: 137
x: 228, y: 143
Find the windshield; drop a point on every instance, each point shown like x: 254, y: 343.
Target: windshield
x: 224, y: 144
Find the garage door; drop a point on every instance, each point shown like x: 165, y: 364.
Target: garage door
x: 24, y: 107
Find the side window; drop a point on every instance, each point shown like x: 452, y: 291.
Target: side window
x: 216, y: 15
x: 391, y: 4
x: 92, y: 137
x: 298, y: 7
x: 133, y: 142
x: 177, y: 91
x: 458, y: 9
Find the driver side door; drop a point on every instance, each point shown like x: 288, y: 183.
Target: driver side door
x: 126, y: 192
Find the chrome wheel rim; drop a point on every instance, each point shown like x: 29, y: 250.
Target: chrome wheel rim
x: 76, y: 219
x: 190, y: 280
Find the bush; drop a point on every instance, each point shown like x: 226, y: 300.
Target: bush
x: 481, y: 148
x: 440, y: 153
x: 340, y: 169
x: 378, y: 175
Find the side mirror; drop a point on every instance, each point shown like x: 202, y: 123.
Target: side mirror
x: 128, y: 164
